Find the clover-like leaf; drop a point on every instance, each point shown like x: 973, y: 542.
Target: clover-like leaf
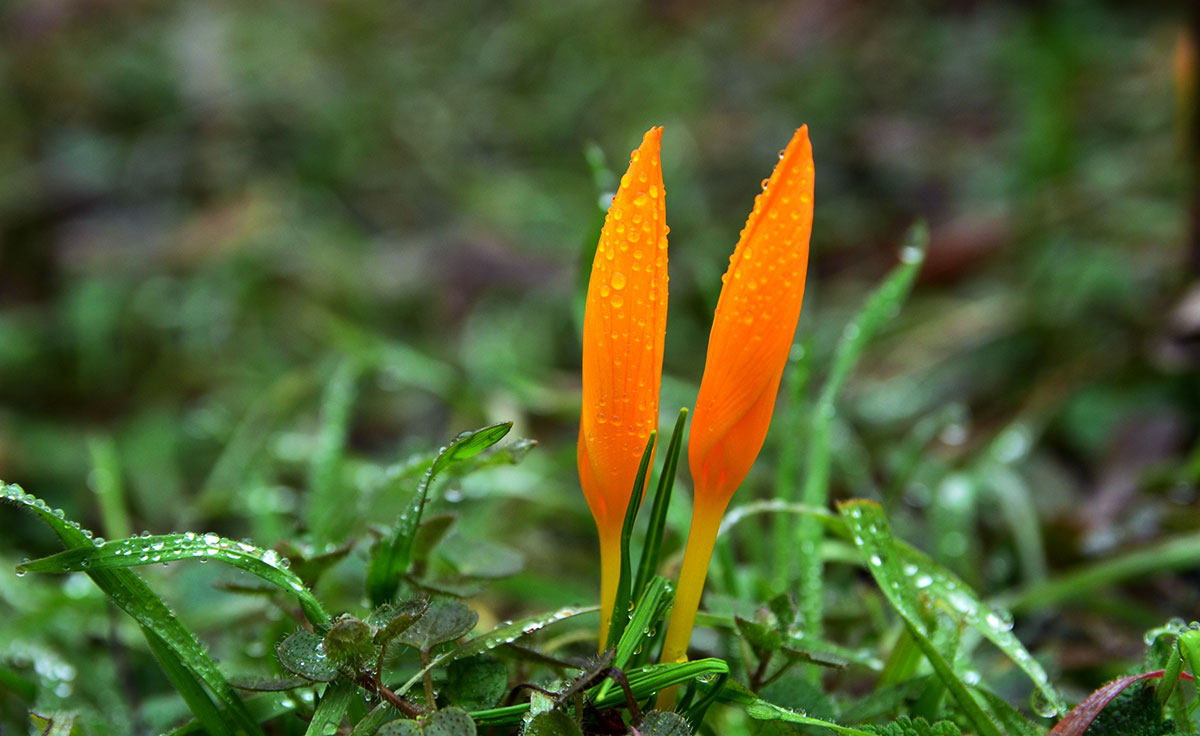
x: 444, y: 620
x: 303, y: 653
x: 476, y: 683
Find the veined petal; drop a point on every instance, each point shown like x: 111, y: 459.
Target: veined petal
x: 623, y: 329
x: 753, y: 328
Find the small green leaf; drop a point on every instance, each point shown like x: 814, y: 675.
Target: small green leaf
x: 448, y: 722
x: 58, y: 723
x: 551, y: 723
x: 444, y: 621
x: 399, y: 728
x: 664, y: 723
x: 392, y: 621
x: 349, y: 643
x: 303, y: 653
x: 470, y: 444
x: 476, y: 682
x: 760, y: 638
x: 783, y: 606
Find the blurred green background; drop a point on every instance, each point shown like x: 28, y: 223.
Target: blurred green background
x: 207, y: 208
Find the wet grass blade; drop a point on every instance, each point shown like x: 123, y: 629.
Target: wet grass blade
x: 180, y: 653
x: 652, y: 549
x: 995, y: 624
x: 136, y: 551
x: 501, y: 635
x: 391, y: 557
x: 620, y: 612
x: 869, y: 528
x: 880, y: 307
x: 330, y: 711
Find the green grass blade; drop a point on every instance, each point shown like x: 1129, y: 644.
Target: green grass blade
x: 263, y: 708
x: 188, y: 686
x: 652, y: 549
x: 390, y: 559
x: 799, y: 373
x: 1179, y: 553
x: 643, y: 681
x: 137, y: 551
x: 328, y: 514
x: 868, y: 526
x: 332, y: 708
x: 646, y: 614
x: 620, y: 612
x: 994, y: 624
x: 179, y: 647
x: 880, y: 307
x: 498, y: 637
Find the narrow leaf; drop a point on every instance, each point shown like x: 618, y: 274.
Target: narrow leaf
x: 329, y: 513
x: 391, y: 557
x: 175, y: 647
x: 505, y: 634
x: 620, y: 612
x: 880, y: 307
x: 135, y: 551
x: 332, y: 708
x: 873, y: 538
x: 652, y: 549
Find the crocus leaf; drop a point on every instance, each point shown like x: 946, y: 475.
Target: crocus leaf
x: 620, y: 615
x: 652, y: 548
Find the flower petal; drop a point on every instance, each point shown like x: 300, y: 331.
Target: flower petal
x: 623, y: 330
x: 753, y: 328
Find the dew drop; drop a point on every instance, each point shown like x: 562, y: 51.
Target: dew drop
x: 618, y: 280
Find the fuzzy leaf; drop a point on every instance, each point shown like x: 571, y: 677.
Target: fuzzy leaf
x: 303, y: 653
x: 444, y: 620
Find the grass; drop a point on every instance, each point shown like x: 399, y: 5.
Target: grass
x: 255, y: 273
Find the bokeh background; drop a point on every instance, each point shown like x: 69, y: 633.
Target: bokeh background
x: 210, y: 210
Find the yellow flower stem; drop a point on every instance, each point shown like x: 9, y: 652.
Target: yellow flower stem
x: 706, y: 521
x: 610, y: 578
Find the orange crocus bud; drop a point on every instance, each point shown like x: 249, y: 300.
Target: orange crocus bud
x: 624, y: 324
x: 748, y: 348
